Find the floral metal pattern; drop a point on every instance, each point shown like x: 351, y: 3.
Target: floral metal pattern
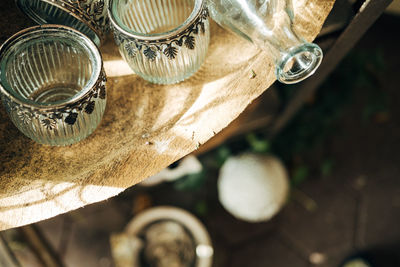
x: 93, y: 12
x: 168, y: 47
x: 68, y: 113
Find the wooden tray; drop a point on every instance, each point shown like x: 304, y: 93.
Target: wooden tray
x: 145, y: 128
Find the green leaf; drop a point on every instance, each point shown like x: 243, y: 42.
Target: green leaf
x: 201, y: 208
x: 257, y: 144
x: 190, y: 182
x: 327, y: 167
x: 222, y: 154
x: 300, y: 174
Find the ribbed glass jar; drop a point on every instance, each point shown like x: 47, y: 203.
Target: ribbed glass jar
x: 86, y: 16
x: 52, y: 84
x: 162, y: 41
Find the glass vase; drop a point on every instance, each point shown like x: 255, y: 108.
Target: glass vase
x: 52, y: 84
x: 164, y: 42
x: 86, y: 16
x: 268, y: 24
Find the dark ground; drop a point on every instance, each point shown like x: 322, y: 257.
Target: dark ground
x: 354, y: 206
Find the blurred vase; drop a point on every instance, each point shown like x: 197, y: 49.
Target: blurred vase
x: 163, y: 237
x: 268, y: 24
x: 253, y: 187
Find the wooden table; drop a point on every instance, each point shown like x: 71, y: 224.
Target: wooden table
x: 145, y: 128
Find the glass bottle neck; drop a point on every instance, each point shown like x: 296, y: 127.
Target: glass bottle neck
x: 276, y: 42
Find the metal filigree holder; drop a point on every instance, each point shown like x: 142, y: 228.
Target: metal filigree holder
x: 53, y: 84
x: 166, y: 51
x: 86, y: 16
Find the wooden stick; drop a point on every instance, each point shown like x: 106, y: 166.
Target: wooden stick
x: 40, y: 246
x: 7, y: 258
x: 368, y: 13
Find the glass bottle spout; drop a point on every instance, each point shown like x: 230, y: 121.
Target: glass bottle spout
x: 268, y: 24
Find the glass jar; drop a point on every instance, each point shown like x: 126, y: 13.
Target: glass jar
x: 164, y: 42
x: 86, y: 16
x: 52, y: 84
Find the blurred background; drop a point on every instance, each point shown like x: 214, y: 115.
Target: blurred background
x: 328, y: 182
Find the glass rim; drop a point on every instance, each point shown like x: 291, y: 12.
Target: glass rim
x: 89, y: 46
x: 38, y: 19
x: 121, y: 27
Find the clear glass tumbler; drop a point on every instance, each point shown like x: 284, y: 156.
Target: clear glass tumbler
x: 52, y: 84
x: 86, y: 16
x: 268, y: 24
x: 163, y: 41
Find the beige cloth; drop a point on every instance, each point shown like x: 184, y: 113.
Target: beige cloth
x: 145, y: 128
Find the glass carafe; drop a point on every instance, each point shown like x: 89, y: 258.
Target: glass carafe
x: 268, y: 24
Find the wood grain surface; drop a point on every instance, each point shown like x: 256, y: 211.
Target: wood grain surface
x: 145, y: 128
